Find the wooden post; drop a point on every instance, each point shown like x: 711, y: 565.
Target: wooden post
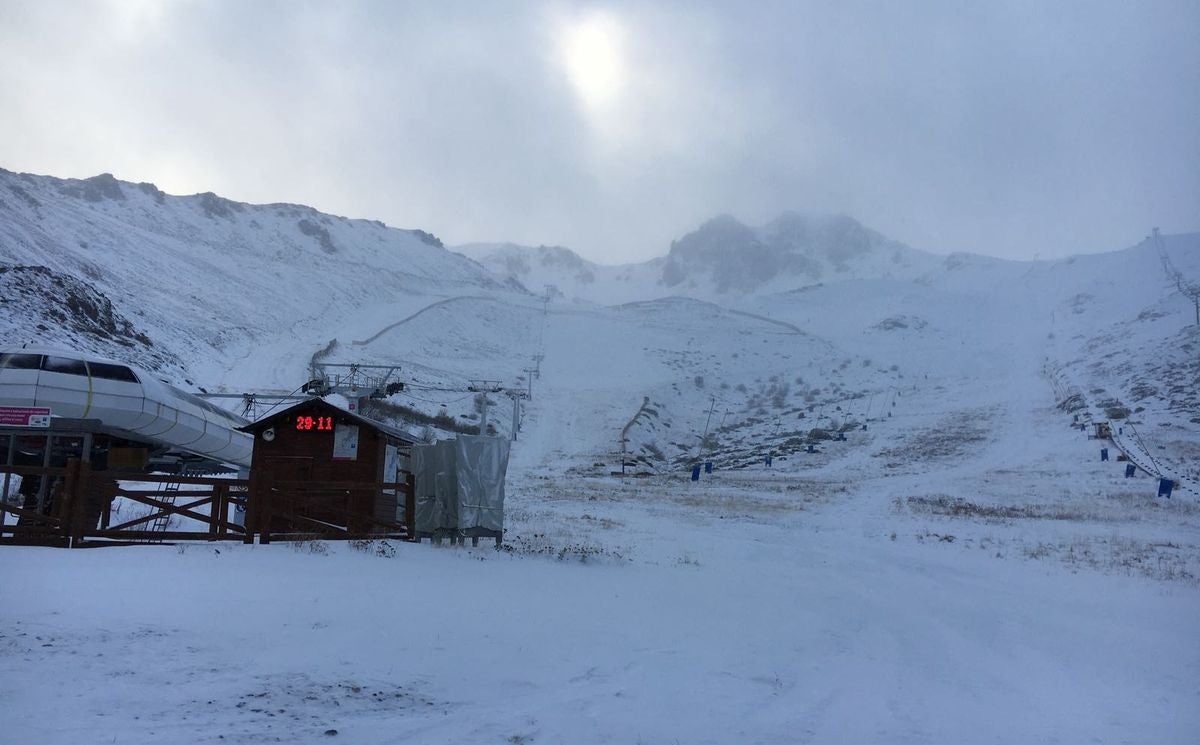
x: 81, y: 502
x: 216, y: 512
x: 64, y: 505
x: 12, y: 449
x: 410, y: 506
x: 254, y: 496
x: 44, y: 481
x: 107, y: 496
x: 106, y: 491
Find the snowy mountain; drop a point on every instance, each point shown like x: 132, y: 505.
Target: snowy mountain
x: 201, y: 278
x: 729, y: 258
x: 723, y: 260
x: 560, y: 271
x: 807, y: 318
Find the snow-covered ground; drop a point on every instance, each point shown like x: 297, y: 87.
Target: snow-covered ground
x: 755, y: 606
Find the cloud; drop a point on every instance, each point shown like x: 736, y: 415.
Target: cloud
x: 1009, y: 129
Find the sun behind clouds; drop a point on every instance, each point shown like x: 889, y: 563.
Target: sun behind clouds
x: 590, y: 51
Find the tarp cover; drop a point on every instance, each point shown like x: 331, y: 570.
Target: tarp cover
x: 482, y: 463
x: 422, y: 463
x: 460, y: 483
x: 445, y: 510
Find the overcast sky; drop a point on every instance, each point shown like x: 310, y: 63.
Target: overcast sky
x: 1014, y: 129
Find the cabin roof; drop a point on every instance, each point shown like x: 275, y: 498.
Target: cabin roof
x: 336, y: 411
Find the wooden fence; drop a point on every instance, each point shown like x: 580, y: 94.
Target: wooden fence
x: 77, y: 509
x: 290, y: 510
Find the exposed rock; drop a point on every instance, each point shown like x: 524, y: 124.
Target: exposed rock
x: 901, y: 322
x: 215, y: 206
x: 153, y: 191
x: 733, y: 257
x: 68, y: 301
x: 428, y: 239
x: 94, y: 189
x: 24, y: 196
x: 313, y: 230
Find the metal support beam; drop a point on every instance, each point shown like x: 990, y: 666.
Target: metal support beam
x: 359, y: 381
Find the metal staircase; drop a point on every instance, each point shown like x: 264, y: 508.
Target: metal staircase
x: 169, y: 495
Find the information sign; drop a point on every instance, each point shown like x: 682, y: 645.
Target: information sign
x: 24, y: 416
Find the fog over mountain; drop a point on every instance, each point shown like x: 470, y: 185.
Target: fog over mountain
x: 722, y: 258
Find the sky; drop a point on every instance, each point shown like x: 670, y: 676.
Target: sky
x: 1017, y: 129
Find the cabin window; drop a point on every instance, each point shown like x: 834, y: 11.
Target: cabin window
x: 18, y: 361
x: 112, y: 372
x: 64, y: 365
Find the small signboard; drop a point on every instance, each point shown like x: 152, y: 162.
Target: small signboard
x: 345, y: 442
x: 24, y: 416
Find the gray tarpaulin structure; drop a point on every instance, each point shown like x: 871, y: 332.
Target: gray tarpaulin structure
x: 481, y: 463
x: 460, y: 484
x: 435, y: 485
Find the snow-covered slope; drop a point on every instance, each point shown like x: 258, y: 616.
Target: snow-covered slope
x: 205, y: 279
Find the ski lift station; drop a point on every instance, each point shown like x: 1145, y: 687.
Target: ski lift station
x: 317, y: 467
x: 83, y: 436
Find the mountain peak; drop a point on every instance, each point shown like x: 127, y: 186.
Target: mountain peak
x: 95, y: 189
x: 730, y: 256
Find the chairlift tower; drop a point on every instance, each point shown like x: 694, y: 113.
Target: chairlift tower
x: 516, y: 395
x: 707, y: 421
x: 354, y: 380
x: 529, y: 373
x: 485, y: 387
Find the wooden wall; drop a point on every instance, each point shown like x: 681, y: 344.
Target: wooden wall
x: 335, y: 487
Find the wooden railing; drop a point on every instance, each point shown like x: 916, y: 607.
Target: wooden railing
x: 77, y: 509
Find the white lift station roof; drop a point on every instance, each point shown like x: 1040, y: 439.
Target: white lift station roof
x: 37, y: 383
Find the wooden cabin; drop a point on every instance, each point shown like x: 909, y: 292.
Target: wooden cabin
x: 320, y: 471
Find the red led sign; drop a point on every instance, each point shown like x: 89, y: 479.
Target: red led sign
x: 314, y: 423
